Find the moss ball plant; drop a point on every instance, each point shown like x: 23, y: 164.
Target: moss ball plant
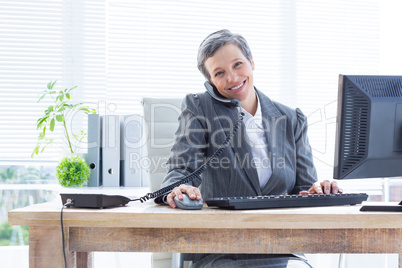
x: 72, y: 171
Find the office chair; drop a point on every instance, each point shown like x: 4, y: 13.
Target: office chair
x: 161, y: 122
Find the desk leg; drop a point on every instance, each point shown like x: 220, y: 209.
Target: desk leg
x: 84, y: 259
x: 46, y: 249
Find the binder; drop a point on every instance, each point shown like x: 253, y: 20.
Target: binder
x: 111, y: 151
x: 132, y: 144
x: 94, y: 158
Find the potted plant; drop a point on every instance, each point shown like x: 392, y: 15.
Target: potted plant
x: 72, y: 170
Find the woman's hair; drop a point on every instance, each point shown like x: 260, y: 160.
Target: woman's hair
x: 215, y: 41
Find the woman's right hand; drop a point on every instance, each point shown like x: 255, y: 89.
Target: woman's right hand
x: 191, y: 191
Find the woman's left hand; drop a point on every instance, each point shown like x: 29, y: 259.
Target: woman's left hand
x: 324, y: 187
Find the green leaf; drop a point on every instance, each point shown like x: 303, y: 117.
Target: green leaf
x: 41, y: 98
x: 40, y: 121
x: 78, y: 105
x: 86, y: 110
x: 52, y: 123
x: 48, y: 142
x: 50, y: 108
x: 49, y: 85
x: 68, y: 96
x: 61, y: 109
x: 93, y: 111
x: 59, y: 118
x: 36, y: 151
x: 71, y: 88
x: 61, y: 97
x: 54, y: 83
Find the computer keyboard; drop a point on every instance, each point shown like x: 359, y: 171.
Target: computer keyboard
x: 286, y: 201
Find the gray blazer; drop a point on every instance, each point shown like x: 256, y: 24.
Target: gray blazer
x: 203, y: 126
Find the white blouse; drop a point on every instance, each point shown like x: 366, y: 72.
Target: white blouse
x: 258, y: 144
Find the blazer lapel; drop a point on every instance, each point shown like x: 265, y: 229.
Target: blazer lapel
x: 241, y: 148
x: 274, y: 123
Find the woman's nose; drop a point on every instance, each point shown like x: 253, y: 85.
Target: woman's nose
x: 232, y: 76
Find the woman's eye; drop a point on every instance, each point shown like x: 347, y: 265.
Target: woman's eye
x: 238, y: 63
x: 218, y: 74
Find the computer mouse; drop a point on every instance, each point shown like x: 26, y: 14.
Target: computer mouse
x: 188, y: 203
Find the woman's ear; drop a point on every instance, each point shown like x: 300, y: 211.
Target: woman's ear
x: 252, y: 63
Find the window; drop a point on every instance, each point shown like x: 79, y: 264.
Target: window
x: 118, y: 51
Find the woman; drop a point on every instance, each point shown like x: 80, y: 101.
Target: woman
x: 270, y: 153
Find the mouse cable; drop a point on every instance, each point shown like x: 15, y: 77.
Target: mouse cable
x: 200, y: 169
x: 69, y: 203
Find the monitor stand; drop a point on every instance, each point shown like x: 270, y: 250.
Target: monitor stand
x: 384, y: 208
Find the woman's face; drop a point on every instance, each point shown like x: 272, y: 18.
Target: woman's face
x: 231, y: 73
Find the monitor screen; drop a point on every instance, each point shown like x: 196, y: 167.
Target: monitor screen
x: 369, y: 127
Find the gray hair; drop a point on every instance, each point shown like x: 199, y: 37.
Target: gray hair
x: 215, y: 41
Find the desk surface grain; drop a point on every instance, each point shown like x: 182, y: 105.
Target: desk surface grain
x: 149, y: 215
x: 146, y: 227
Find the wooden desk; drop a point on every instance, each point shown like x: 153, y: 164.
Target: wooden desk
x: 150, y: 228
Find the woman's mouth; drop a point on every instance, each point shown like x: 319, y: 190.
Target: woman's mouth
x: 239, y: 86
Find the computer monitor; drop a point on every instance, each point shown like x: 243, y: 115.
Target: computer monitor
x: 369, y: 127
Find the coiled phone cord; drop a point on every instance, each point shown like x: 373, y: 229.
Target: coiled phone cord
x: 199, y: 170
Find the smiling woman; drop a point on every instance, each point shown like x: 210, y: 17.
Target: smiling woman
x: 280, y: 132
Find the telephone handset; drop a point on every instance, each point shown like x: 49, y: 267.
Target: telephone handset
x: 216, y: 95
